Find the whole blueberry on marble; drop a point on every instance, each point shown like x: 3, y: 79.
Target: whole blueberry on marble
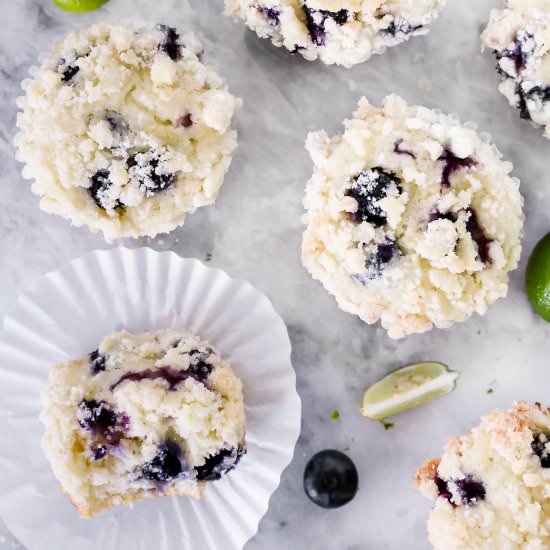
x: 162, y: 413
x: 330, y: 479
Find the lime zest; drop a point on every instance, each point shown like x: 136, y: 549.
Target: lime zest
x: 335, y: 415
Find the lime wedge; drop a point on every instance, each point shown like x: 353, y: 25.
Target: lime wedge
x: 537, y: 278
x: 406, y: 388
x: 79, y: 6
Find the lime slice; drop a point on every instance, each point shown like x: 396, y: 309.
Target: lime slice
x: 406, y: 388
x: 537, y: 278
x: 79, y: 5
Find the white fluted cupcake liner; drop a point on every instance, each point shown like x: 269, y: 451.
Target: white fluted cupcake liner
x: 66, y: 314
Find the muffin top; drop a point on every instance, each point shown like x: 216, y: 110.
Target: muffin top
x: 345, y: 32
x: 519, y: 36
x: 124, y: 129
x: 491, y: 486
x: 143, y: 415
x: 412, y: 218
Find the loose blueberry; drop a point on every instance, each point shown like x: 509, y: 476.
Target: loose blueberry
x: 541, y: 447
x: 271, y: 14
x: 315, y: 21
x: 330, y: 479
x: 452, y: 164
x: 400, y: 150
x: 98, y: 362
x: 479, y: 237
x: 470, y: 491
x: 167, y: 465
x: 368, y: 188
x: 219, y: 464
x: 170, y: 45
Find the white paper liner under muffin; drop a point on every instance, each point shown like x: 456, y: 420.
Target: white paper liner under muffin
x: 65, y: 315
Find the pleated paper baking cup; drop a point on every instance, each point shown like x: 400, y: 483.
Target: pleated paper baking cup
x: 65, y: 315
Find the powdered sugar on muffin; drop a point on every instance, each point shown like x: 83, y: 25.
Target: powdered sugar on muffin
x: 412, y: 218
x: 492, y: 487
x: 345, y: 32
x: 124, y: 129
x: 142, y: 416
x: 519, y: 36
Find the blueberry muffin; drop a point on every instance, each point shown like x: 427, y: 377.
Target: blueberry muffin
x: 124, y: 129
x: 412, y: 218
x: 345, y: 32
x: 519, y: 36
x: 491, y: 487
x: 142, y: 416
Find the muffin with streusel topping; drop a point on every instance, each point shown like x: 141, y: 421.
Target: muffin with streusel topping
x: 124, y: 129
x: 412, y: 218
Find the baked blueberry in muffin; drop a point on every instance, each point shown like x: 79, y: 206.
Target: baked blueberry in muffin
x: 142, y: 416
x: 412, y: 219
x: 345, y: 32
x: 125, y: 130
x: 519, y: 36
x: 490, y: 488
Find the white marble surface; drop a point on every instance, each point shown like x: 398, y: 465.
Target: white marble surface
x: 254, y: 232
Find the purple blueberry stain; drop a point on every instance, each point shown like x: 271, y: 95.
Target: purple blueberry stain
x: 437, y: 215
x: 400, y: 26
x: 98, y: 451
x: 167, y: 465
x: 199, y: 371
x: 368, y: 188
x: 453, y: 164
x: 185, y: 121
x: 219, y: 464
x: 69, y: 72
x: 536, y: 94
x: 541, y: 447
x: 116, y: 122
x: 316, y: 19
x: 479, y: 236
x: 469, y: 490
x: 170, y: 45
x: 522, y: 48
x: 400, y: 150
x: 271, y: 14
x: 97, y: 362
x: 106, y: 427
x: 381, y: 256
x: 96, y: 417
x: 100, y: 183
